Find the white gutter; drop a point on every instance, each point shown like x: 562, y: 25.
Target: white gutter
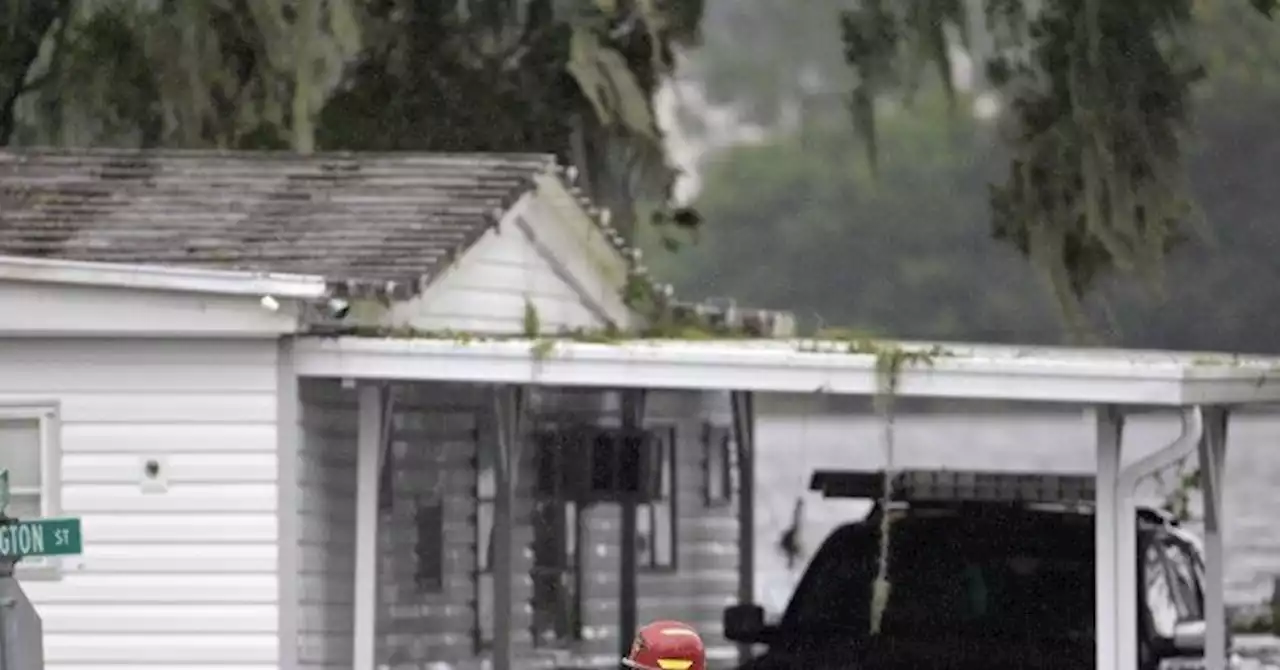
x: 161, y: 278
x: 1071, y: 376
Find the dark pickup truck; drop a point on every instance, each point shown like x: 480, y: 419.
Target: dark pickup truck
x: 983, y: 576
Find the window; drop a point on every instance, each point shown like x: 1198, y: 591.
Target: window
x: 656, y: 519
x: 1184, y: 581
x: 486, y: 489
x: 984, y: 579
x: 29, y: 450
x: 556, y: 575
x: 557, y: 553
x: 717, y: 465
x: 429, y: 548
x: 1160, y: 600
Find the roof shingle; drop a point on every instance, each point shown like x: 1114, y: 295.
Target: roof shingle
x: 370, y: 220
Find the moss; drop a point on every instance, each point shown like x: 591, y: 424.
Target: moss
x: 542, y: 348
x: 531, y: 322
x: 891, y: 359
x: 1258, y: 625
x: 1218, y: 361
x: 405, y: 332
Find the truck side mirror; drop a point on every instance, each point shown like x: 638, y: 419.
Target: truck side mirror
x: 745, y: 623
x: 1188, y: 638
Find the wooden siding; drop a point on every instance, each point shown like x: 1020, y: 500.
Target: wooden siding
x: 705, y: 580
x: 440, y: 432
x: 182, y: 576
x: 436, y: 430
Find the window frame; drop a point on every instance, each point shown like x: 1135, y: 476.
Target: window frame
x: 1151, y: 570
x: 567, y: 608
x: 48, y: 416
x: 666, y: 436
x: 429, y: 570
x: 717, y: 438
x: 483, y: 577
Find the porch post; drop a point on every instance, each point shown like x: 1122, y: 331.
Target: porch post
x: 1107, y: 425
x: 369, y: 441
x: 633, y: 407
x: 743, y: 406
x: 509, y: 402
x: 1213, y: 453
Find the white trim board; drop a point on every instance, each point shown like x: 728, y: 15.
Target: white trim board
x: 961, y: 371
x: 161, y: 278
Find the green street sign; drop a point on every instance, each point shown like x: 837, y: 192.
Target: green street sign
x: 40, y: 537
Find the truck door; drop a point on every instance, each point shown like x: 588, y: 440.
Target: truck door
x: 1172, y: 593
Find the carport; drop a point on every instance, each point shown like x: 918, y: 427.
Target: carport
x: 1106, y: 384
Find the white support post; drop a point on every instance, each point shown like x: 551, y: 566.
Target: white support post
x: 369, y: 440
x: 1117, y: 530
x: 744, y: 431
x: 1108, y: 427
x: 633, y: 403
x: 1213, y: 453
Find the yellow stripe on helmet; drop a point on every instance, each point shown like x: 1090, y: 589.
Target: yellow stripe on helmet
x: 674, y: 664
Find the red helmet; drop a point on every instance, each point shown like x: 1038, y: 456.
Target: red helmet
x: 666, y: 645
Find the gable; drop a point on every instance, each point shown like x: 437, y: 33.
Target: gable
x: 542, y: 257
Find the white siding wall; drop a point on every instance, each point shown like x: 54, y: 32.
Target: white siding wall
x: 178, y: 578
x: 326, y: 524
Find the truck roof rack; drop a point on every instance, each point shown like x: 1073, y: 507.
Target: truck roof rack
x: 938, y: 486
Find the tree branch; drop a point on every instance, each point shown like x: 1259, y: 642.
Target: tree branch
x: 25, y: 45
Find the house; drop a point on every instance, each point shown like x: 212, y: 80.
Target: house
x: 148, y: 305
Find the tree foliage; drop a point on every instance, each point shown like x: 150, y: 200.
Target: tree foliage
x: 1098, y: 97
x: 23, y: 30
x: 770, y: 59
x: 910, y: 251
x: 800, y: 225
x: 570, y: 77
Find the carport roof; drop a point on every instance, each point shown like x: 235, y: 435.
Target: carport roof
x: 938, y: 370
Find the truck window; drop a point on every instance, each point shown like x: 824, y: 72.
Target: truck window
x: 952, y: 575
x: 1160, y: 599
x: 1183, y: 579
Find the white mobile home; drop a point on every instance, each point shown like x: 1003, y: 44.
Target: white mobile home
x: 146, y: 307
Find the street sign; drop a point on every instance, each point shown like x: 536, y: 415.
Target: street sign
x: 40, y: 537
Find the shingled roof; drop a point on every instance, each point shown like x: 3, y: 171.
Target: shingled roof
x: 380, y: 223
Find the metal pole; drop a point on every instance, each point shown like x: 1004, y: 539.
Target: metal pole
x: 1107, y: 424
x: 369, y: 443
x: 632, y: 420
x: 743, y: 407
x: 1213, y: 451
x: 509, y: 412
x: 6, y: 573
